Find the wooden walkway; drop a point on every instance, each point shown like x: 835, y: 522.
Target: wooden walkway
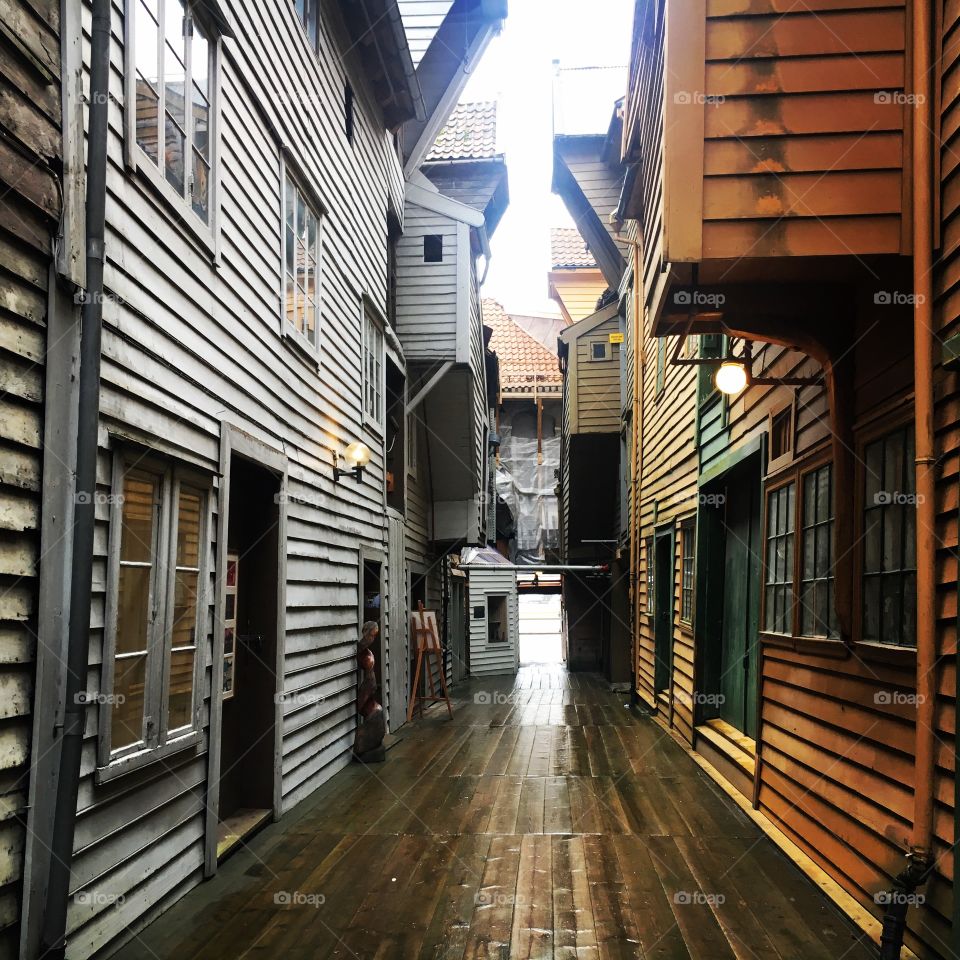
x: 545, y: 820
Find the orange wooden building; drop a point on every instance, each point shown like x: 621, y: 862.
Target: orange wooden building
x: 790, y: 197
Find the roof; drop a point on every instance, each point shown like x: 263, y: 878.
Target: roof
x: 483, y: 556
x: 568, y: 249
x: 526, y: 365
x: 469, y: 134
x: 421, y: 21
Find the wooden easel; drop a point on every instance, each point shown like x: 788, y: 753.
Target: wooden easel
x: 429, y: 654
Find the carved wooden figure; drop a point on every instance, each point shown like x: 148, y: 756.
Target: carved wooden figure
x: 371, y: 728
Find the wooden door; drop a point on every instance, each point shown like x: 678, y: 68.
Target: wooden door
x: 663, y: 610
x: 741, y: 602
x: 397, y: 646
x: 457, y: 618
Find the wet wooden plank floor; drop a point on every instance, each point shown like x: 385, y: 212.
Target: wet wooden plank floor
x: 545, y: 820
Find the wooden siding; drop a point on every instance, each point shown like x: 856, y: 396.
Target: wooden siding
x: 595, y: 400
x: 427, y: 293
x: 30, y: 155
x: 577, y: 291
x: 785, y: 129
x: 492, y: 658
x: 188, y: 345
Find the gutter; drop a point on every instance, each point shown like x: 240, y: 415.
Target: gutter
x: 54, y: 923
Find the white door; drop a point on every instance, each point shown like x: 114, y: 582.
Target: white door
x: 398, y: 647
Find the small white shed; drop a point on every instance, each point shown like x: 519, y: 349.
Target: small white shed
x: 493, y: 612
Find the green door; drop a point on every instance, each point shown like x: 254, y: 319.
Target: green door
x: 741, y: 599
x: 663, y: 610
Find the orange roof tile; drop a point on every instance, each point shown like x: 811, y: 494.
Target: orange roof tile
x: 523, y: 360
x: 568, y: 249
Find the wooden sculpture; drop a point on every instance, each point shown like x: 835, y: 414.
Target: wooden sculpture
x: 371, y: 727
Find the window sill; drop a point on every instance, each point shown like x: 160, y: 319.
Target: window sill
x: 202, y: 233
x: 147, y: 757
x: 301, y: 346
x: 870, y: 650
x: 815, y: 646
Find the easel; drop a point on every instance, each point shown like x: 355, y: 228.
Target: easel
x: 429, y: 652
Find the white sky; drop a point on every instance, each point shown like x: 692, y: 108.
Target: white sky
x: 517, y: 71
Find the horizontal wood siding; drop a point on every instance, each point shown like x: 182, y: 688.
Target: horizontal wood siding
x: 598, y: 382
x: 577, y: 291
x: 492, y: 658
x: 427, y: 292
x: 30, y: 155
x: 187, y: 345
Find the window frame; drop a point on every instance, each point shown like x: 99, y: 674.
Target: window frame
x: 153, y: 747
x: 802, y: 526
x: 412, y: 431
x: 369, y: 320
x: 138, y: 161
x: 605, y: 345
x: 688, y: 536
x: 314, y: 40
x: 880, y: 647
x: 771, y: 490
x: 289, y: 171
x: 650, y: 572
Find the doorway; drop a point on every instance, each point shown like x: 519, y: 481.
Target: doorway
x: 541, y: 619
x: 371, y: 602
x: 663, y: 609
x: 457, y: 619
x: 247, y: 788
x: 730, y: 566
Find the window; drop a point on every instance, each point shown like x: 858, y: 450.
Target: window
x: 348, y: 112
x: 650, y: 581
x: 412, y: 444
x: 781, y: 434
x: 173, y: 66
x: 817, y: 616
x: 687, y: 541
x: 309, y: 13
x: 889, y: 545
x: 301, y: 263
x: 433, y: 248
x: 781, y: 504
x: 711, y: 348
x: 598, y: 350
x: 372, y: 370
x: 393, y: 238
x: 155, y: 609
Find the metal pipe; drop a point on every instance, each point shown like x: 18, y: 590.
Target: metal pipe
x: 923, y: 340
x: 54, y: 924
x: 548, y: 568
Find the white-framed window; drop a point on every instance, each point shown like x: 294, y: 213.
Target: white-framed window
x: 301, y: 262
x: 599, y: 350
x: 372, y: 370
x: 308, y: 11
x: 171, y: 96
x: 156, y: 609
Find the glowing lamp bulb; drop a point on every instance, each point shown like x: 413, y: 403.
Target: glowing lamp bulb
x: 731, y: 377
x: 358, y: 454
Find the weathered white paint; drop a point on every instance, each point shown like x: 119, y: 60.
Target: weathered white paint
x: 492, y: 658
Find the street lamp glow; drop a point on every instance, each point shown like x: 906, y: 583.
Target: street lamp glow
x: 358, y: 454
x: 731, y: 377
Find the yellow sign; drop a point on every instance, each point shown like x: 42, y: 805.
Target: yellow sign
x: 616, y: 338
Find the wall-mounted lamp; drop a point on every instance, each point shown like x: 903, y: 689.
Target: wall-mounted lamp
x: 731, y: 377
x: 358, y: 455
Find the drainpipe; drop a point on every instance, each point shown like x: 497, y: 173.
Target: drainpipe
x: 54, y: 925
x: 920, y: 859
x: 635, y: 461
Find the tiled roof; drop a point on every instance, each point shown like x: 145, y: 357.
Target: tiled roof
x: 469, y: 134
x: 524, y: 362
x: 568, y: 249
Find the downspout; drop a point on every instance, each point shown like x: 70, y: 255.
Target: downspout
x: 54, y: 925
x: 635, y: 463
x: 920, y: 858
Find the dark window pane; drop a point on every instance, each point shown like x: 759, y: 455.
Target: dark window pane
x: 181, y: 689
x: 126, y: 713
x: 133, y: 609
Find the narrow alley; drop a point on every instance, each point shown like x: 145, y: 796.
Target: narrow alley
x: 545, y: 820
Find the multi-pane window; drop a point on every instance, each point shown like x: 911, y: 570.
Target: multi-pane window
x: 372, y: 370
x: 309, y: 13
x: 412, y: 444
x: 650, y: 580
x: 817, y: 615
x: 889, y: 540
x: 661, y: 365
x: 781, y: 504
x: 301, y: 263
x: 687, y: 541
x: 154, y: 624
x: 173, y: 64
